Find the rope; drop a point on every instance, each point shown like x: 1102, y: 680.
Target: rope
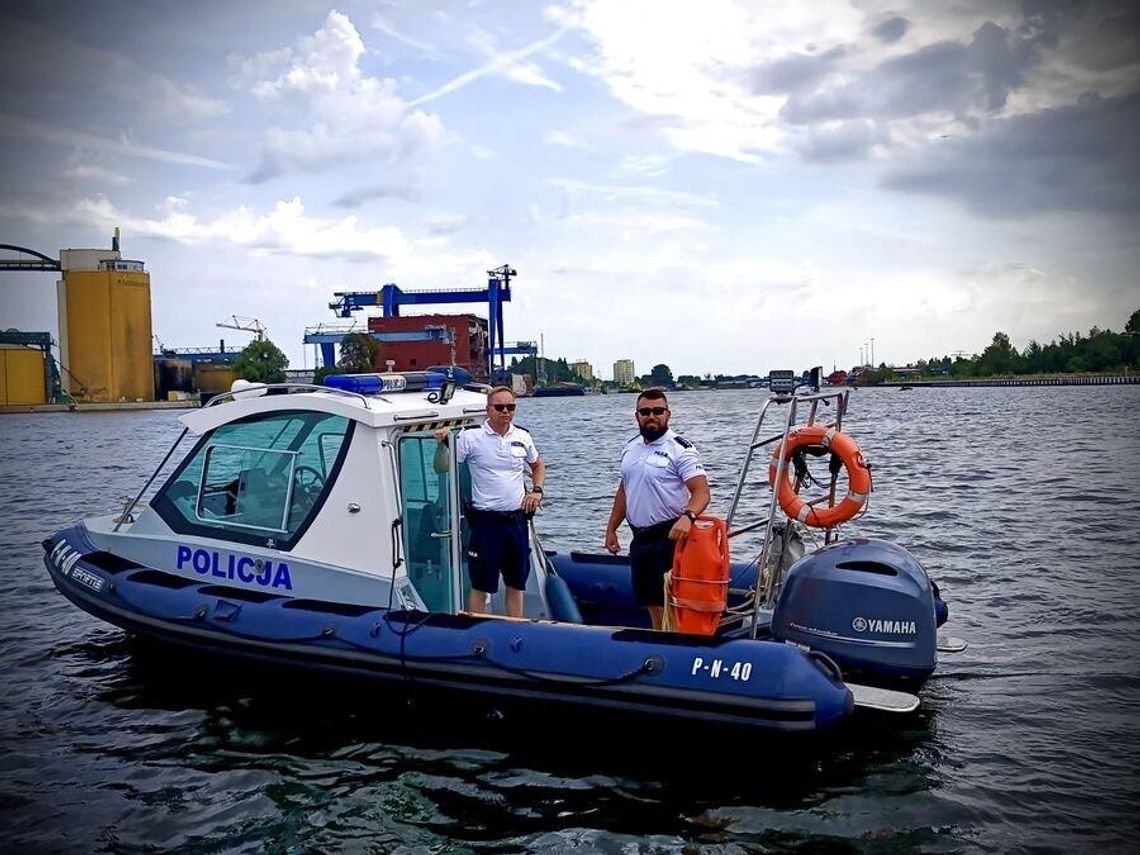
x: 668, y: 616
x: 329, y: 632
x: 646, y: 667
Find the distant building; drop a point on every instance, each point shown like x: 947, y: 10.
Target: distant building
x: 583, y: 369
x: 624, y: 373
x: 469, y: 333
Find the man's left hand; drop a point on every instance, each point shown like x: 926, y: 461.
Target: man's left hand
x: 531, y: 502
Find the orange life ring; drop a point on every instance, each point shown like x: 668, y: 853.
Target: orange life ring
x: 858, y: 476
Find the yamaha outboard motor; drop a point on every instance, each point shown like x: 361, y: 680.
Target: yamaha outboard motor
x: 868, y: 605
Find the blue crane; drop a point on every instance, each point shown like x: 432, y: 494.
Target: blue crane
x: 390, y: 297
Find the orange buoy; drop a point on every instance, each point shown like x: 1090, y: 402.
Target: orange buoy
x: 843, y: 447
x: 698, y: 584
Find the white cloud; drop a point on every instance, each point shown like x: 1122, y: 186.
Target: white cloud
x: 285, y: 228
x: 351, y: 116
x: 439, y: 225
x: 647, y: 194
x: 648, y: 165
x: 566, y: 139
x: 626, y: 225
x: 167, y: 100
x: 93, y: 174
x: 752, y: 81
x: 15, y: 126
x: 50, y: 66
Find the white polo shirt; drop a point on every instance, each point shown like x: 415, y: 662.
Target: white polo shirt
x: 654, y: 476
x: 497, y: 462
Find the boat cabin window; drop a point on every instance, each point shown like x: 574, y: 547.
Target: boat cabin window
x: 258, y: 480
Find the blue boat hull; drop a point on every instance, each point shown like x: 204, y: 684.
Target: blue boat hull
x: 738, y: 682
x: 816, y: 593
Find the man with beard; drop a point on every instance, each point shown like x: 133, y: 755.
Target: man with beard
x: 662, y: 489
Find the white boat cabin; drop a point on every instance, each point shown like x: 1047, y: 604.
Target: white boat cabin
x: 318, y: 494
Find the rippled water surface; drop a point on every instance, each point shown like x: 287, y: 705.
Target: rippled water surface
x: 1021, y: 503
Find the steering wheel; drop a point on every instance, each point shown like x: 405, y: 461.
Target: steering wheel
x: 307, y: 485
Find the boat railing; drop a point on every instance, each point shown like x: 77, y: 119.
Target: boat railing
x: 283, y: 388
x: 767, y: 585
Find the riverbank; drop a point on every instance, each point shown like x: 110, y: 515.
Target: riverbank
x: 1054, y: 380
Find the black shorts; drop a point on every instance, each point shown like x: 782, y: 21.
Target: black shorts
x: 650, y: 558
x: 498, y: 544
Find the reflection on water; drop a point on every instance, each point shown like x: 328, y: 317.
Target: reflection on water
x: 1025, y: 515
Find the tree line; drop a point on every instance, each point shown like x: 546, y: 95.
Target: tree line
x: 263, y: 362
x: 1070, y: 353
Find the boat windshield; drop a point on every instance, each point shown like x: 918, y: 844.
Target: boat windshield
x: 257, y: 480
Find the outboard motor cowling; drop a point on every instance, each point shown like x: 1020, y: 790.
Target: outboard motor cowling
x: 867, y: 604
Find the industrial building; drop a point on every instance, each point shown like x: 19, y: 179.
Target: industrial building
x: 468, y: 343
x: 104, y: 329
x: 27, y: 371
x: 105, y: 326
x: 624, y: 373
x: 583, y: 369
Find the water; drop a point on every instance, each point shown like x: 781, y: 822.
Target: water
x: 1022, y: 503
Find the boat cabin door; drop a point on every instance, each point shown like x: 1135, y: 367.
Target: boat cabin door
x: 431, y: 521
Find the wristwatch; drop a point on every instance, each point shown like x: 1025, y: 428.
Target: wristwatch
x: 692, y: 515
x: 536, y: 489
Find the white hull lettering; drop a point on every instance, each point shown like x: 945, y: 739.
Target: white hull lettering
x: 892, y: 627
x: 718, y: 668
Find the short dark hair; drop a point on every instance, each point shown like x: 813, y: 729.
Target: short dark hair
x: 653, y: 394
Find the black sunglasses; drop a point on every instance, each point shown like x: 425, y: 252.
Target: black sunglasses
x: 505, y: 408
x: 652, y: 411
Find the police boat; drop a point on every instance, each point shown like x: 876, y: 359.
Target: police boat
x: 307, y: 527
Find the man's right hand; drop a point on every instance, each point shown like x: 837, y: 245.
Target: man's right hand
x: 612, y: 544
x: 441, y: 434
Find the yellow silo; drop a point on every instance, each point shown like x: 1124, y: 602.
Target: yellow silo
x: 22, y: 376
x: 104, y: 326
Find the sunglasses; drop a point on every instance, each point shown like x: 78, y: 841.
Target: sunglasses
x: 652, y: 411
x: 505, y: 408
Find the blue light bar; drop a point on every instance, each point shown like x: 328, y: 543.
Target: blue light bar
x: 378, y: 384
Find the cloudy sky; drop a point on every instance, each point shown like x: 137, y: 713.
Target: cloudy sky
x: 722, y: 186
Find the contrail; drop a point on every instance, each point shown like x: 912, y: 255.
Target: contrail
x: 496, y: 63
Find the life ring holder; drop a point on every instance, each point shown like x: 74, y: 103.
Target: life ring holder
x: 848, y: 452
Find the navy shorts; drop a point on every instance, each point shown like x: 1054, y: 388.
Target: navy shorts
x: 498, y: 544
x: 650, y: 558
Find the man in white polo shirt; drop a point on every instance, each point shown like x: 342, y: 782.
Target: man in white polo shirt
x: 662, y: 489
x: 497, y: 452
